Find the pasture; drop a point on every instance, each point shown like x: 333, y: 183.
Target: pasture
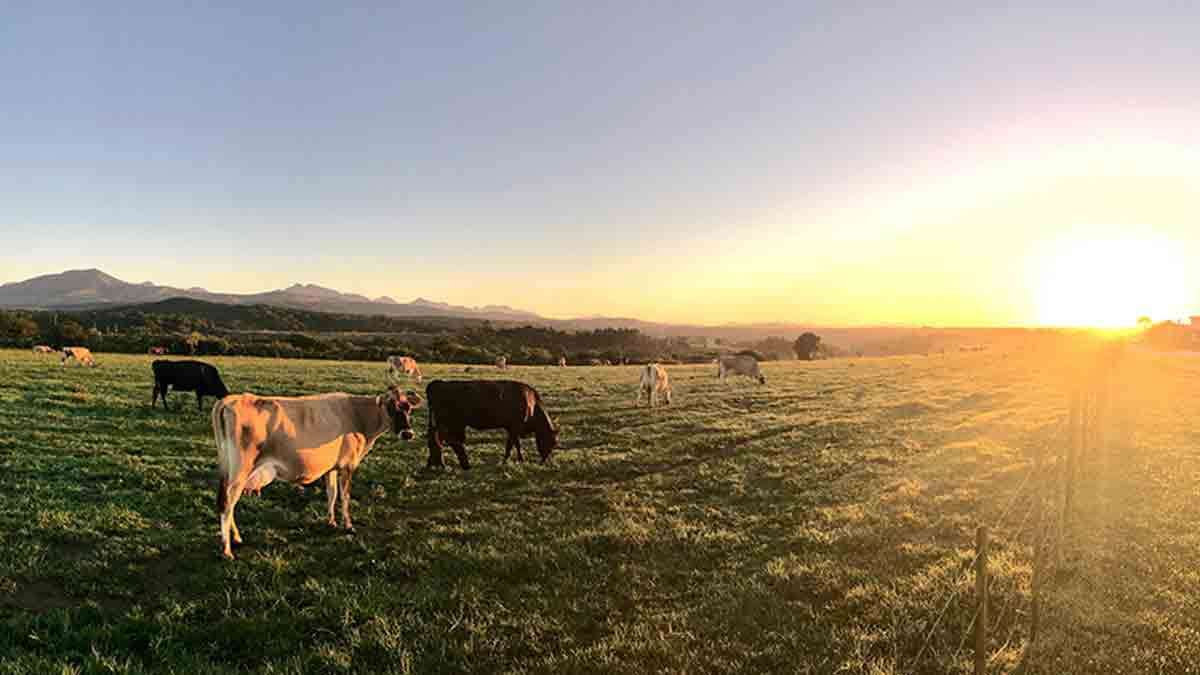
x: 815, y: 524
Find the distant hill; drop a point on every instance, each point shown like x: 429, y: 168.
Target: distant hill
x: 87, y: 289
x: 261, y: 317
x: 93, y: 291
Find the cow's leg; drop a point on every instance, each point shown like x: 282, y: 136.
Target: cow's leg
x: 517, y: 443
x: 458, y: 439
x: 233, y: 529
x: 434, y: 441
x: 154, y: 396
x: 344, y: 487
x: 668, y: 392
x: 460, y: 450
x: 233, y: 492
x: 331, y: 490
x: 199, y: 400
x: 508, y: 445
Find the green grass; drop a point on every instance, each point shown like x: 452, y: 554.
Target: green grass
x: 816, y: 524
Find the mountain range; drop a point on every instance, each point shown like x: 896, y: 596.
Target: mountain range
x: 87, y: 289
x: 92, y: 289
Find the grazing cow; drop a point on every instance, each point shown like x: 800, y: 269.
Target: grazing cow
x: 43, y: 349
x: 562, y: 362
x: 196, y: 376
x: 595, y: 362
x: 82, y: 356
x: 742, y: 364
x: 298, y: 440
x: 156, y: 351
x: 486, y: 404
x: 654, y: 382
x: 403, y: 364
x: 502, y: 363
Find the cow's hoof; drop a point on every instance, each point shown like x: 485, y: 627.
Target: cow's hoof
x: 227, y: 555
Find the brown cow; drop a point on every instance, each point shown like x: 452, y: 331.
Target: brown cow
x: 403, y: 364
x: 562, y: 362
x: 486, y: 404
x: 502, y: 363
x: 43, y: 349
x: 82, y: 356
x: 260, y: 439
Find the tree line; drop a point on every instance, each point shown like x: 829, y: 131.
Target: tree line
x: 192, y: 327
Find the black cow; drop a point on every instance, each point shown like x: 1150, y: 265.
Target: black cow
x: 196, y: 376
x: 486, y: 404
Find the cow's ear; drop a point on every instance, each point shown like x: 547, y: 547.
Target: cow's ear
x: 414, y: 399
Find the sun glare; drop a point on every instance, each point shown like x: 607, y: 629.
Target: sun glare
x: 1108, y: 282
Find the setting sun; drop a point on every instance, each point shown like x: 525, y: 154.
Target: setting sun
x: 1108, y: 282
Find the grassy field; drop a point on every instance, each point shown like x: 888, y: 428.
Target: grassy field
x: 821, y: 523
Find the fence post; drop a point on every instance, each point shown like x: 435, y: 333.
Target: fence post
x: 1103, y: 394
x: 1069, y: 470
x: 981, y: 598
x: 1039, y: 550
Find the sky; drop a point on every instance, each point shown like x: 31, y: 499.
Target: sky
x: 834, y: 163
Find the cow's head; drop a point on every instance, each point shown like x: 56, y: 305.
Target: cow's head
x: 546, y: 434
x: 399, y: 406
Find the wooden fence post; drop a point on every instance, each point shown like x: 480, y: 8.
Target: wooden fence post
x: 1085, y: 419
x: 1069, y: 470
x: 981, y: 597
x: 1039, y: 544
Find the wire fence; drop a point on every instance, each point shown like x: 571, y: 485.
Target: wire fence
x: 1040, y: 529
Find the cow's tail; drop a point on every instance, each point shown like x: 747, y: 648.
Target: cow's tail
x: 227, y: 456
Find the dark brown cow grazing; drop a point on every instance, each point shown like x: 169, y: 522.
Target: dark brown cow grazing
x: 486, y: 404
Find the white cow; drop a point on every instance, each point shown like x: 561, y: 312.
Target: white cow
x: 403, y: 364
x: 654, y: 383
x: 739, y: 365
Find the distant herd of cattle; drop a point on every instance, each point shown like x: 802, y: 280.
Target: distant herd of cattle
x: 261, y: 439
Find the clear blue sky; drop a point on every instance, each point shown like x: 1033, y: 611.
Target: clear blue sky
x: 701, y: 161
